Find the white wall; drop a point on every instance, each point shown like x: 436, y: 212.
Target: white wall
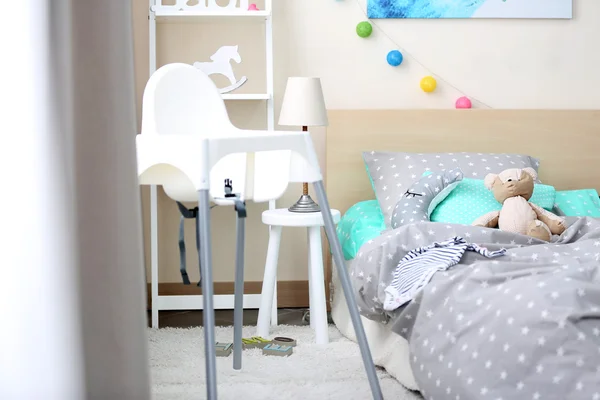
x: 504, y: 63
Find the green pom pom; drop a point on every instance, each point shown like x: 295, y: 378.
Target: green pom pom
x: 364, y: 29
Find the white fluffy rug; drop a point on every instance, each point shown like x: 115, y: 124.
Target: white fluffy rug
x: 311, y: 372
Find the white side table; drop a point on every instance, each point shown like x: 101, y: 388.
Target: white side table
x: 316, y: 278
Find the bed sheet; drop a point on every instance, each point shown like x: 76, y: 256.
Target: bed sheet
x: 388, y: 349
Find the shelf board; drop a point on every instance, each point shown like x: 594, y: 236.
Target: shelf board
x: 244, y: 96
x: 170, y: 14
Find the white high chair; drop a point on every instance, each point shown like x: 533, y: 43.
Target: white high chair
x: 172, y: 104
x: 191, y: 155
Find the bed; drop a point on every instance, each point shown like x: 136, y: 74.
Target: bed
x: 502, y: 328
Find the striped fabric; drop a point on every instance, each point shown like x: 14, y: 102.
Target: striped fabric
x: 416, y: 269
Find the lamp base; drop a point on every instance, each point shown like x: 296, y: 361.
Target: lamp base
x: 305, y: 204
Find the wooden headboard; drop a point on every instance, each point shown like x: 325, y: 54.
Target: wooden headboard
x: 567, y: 143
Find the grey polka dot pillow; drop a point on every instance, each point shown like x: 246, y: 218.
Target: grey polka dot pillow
x: 392, y: 173
x: 419, y: 201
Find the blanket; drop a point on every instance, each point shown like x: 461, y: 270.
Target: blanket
x: 522, y: 326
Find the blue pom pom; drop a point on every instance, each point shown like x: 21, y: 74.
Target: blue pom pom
x: 394, y: 58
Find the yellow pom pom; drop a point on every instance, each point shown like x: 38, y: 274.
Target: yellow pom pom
x: 428, y: 84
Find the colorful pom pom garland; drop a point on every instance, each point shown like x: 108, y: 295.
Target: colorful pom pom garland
x: 463, y: 102
x: 394, y: 58
x: 364, y: 29
x: 428, y: 84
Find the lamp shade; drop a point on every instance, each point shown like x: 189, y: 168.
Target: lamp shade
x: 303, y: 103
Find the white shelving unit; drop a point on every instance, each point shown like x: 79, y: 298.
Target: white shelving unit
x: 170, y: 13
x: 236, y: 12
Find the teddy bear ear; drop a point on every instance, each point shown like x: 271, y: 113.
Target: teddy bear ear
x: 531, y: 172
x: 489, y: 180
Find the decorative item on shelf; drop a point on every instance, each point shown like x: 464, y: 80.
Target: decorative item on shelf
x: 221, y: 64
x: 428, y: 84
x: 303, y: 105
x: 463, y: 102
x: 210, y: 5
x: 253, y: 7
x: 364, y: 29
x: 394, y: 58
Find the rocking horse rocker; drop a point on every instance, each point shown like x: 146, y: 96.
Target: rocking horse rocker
x: 221, y: 64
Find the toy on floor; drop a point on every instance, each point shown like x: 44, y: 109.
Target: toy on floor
x: 513, y: 188
x: 277, y: 350
x: 223, y: 349
x: 255, y: 342
x: 284, y: 341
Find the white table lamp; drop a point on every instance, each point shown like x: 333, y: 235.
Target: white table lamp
x: 303, y: 105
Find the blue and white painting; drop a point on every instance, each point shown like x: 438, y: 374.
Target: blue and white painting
x: 560, y: 9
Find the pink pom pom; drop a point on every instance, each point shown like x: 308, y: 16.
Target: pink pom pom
x: 463, y: 102
x: 252, y: 7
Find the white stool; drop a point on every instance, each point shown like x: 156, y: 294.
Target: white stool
x: 316, y: 277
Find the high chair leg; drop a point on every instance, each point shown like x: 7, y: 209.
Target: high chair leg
x: 336, y: 249
x: 208, y: 311
x: 238, y: 311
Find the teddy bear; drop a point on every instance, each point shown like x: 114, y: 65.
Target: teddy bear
x: 513, y: 188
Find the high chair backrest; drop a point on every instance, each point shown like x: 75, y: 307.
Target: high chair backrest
x: 180, y: 100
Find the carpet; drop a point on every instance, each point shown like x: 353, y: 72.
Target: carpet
x: 311, y: 372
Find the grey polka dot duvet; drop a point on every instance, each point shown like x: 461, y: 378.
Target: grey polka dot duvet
x: 525, y: 325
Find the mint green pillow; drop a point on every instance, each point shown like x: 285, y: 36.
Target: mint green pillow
x: 361, y: 223
x: 579, y: 203
x: 470, y: 199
